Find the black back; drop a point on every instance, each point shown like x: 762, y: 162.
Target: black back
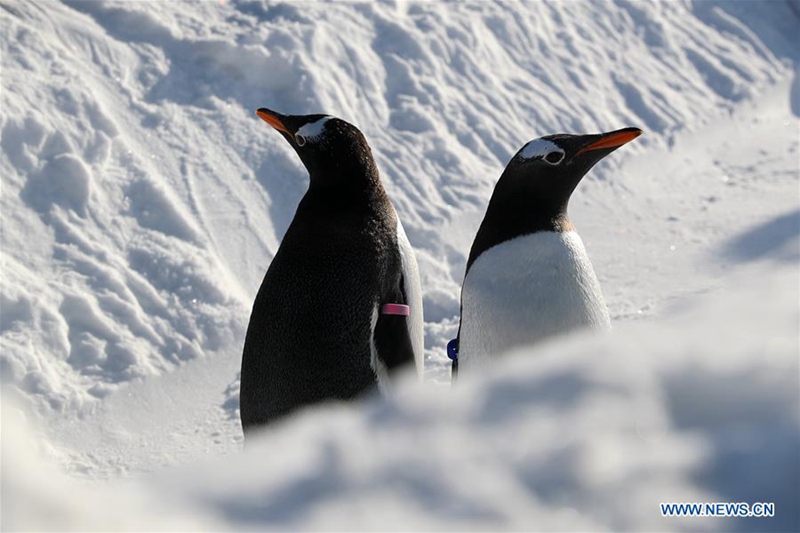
x: 310, y: 332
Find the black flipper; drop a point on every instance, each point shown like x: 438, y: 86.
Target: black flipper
x: 391, y: 337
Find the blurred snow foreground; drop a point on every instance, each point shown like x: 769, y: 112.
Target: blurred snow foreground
x: 142, y: 202
x: 587, y: 434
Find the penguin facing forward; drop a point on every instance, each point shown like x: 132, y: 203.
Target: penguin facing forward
x: 340, y: 307
x: 528, y: 276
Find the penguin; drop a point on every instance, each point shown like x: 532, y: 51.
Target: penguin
x: 339, y: 311
x: 528, y: 276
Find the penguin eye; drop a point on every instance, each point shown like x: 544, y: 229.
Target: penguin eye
x: 300, y: 140
x: 554, y: 158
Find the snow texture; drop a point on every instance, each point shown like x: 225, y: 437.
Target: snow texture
x: 142, y: 201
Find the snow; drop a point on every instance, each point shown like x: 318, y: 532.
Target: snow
x: 142, y: 201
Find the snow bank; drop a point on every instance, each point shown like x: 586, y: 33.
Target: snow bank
x: 143, y: 200
x: 587, y: 434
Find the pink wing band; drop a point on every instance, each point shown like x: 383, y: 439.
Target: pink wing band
x: 395, y: 309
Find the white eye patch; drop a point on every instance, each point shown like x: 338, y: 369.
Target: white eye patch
x: 310, y: 131
x: 540, y: 148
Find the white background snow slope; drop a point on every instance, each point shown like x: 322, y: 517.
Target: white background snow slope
x: 142, y: 201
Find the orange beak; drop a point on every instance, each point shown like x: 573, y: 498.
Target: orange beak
x: 614, y: 139
x: 273, y: 121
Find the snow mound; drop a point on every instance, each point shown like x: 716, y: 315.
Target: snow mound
x: 143, y: 200
x: 588, y: 434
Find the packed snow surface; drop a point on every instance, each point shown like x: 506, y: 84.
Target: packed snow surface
x: 142, y: 200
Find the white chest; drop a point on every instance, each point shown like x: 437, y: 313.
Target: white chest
x: 526, y: 290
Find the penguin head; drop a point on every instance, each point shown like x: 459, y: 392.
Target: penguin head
x: 333, y: 151
x: 547, y: 170
x: 533, y: 193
